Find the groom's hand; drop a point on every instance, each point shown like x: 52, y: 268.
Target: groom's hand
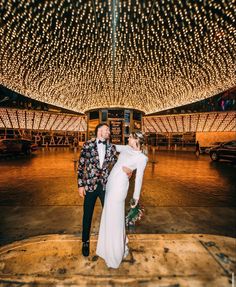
x: 82, y: 191
x: 128, y: 171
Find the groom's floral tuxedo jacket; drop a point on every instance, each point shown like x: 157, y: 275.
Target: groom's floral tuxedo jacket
x: 89, y: 171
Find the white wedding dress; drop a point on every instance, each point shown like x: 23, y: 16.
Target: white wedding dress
x: 112, y: 239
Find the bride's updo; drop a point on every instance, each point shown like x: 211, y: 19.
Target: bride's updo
x: 140, y: 137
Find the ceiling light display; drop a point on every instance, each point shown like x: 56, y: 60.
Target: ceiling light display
x: 41, y: 121
x: 88, y: 54
x: 200, y: 122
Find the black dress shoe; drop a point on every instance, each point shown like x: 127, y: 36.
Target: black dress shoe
x: 85, y: 249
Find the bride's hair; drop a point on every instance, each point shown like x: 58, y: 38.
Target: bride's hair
x: 141, y: 140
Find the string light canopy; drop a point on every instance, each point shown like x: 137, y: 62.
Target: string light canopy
x: 41, y: 121
x: 145, y: 54
x: 201, y: 122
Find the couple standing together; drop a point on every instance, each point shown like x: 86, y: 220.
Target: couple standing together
x: 101, y: 174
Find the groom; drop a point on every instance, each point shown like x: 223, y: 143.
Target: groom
x: 97, y: 157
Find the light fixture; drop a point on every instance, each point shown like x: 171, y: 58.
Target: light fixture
x: 88, y: 54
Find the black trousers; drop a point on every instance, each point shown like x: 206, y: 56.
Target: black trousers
x: 89, y: 203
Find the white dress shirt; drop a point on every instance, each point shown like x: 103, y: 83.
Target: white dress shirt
x: 101, y: 152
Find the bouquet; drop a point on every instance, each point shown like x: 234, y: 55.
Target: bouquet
x: 134, y: 214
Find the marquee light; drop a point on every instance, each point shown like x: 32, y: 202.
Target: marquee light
x: 41, y: 121
x: 199, y: 122
x: 48, y: 121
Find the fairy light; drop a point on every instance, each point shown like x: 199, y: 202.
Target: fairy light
x: 88, y: 54
x: 202, y: 122
x: 41, y: 121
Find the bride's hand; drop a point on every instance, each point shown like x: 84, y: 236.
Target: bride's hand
x: 128, y: 171
x: 135, y: 203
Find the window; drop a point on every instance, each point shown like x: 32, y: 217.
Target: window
x: 137, y: 116
x: 104, y: 116
x: 112, y: 114
x: 94, y: 115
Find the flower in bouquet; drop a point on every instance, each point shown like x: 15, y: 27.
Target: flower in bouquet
x: 135, y: 214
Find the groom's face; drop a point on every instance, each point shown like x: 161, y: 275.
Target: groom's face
x: 104, y: 132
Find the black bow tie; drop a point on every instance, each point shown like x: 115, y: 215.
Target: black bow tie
x: 102, y: 142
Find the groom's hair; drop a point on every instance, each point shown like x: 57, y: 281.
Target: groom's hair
x: 99, y: 126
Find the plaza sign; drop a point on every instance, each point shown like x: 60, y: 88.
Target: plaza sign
x: 54, y: 140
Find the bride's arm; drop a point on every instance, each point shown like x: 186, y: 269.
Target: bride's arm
x: 139, y: 178
x: 120, y: 147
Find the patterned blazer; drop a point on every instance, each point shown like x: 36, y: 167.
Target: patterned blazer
x: 89, y: 171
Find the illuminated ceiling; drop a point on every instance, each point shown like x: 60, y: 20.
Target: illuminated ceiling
x: 41, y: 121
x: 198, y: 122
x: 49, y: 121
x: 148, y: 55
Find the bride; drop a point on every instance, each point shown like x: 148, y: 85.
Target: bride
x: 112, y: 240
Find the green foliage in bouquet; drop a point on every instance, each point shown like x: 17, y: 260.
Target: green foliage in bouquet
x: 134, y: 214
